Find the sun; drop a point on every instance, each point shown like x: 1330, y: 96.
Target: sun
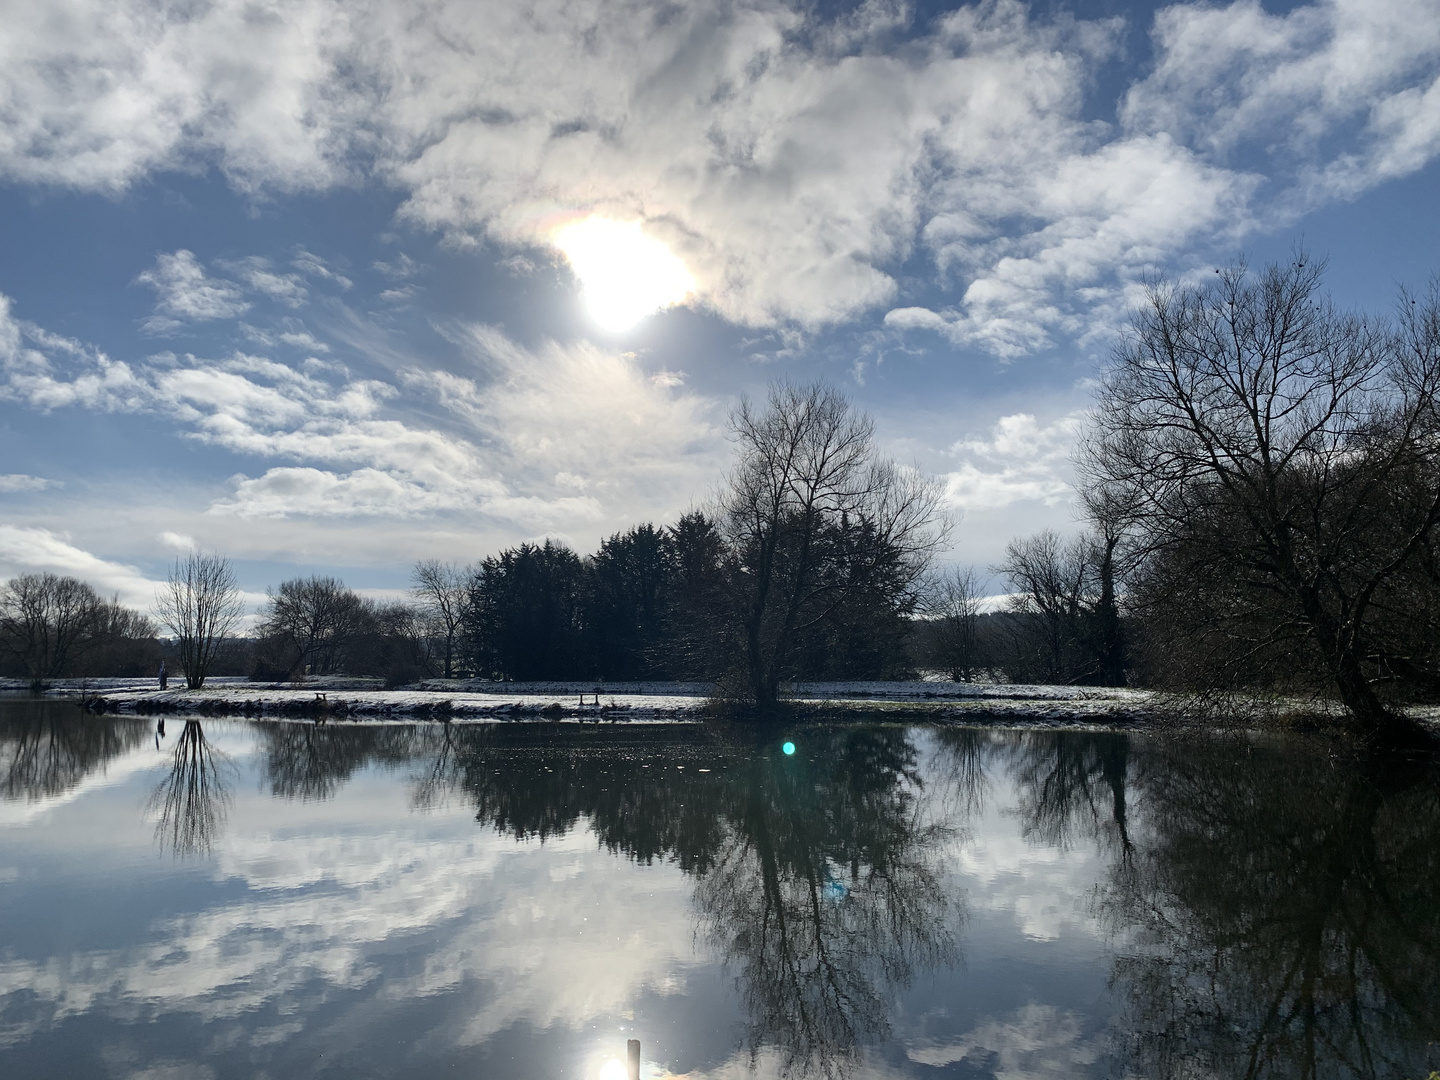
x: 626, y: 275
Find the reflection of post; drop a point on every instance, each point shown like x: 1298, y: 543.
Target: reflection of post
x: 632, y: 1053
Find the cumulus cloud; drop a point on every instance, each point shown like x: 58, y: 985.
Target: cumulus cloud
x: 1019, y: 459
x: 793, y: 162
x: 188, y: 294
x: 36, y: 550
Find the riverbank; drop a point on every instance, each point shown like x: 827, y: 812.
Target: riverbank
x: 587, y: 701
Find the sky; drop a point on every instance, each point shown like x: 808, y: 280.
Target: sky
x: 334, y: 287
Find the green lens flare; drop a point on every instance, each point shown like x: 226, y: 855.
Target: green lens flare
x: 789, y: 748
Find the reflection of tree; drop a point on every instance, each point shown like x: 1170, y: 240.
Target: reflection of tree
x: 1071, y: 785
x: 312, y: 761
x: 1283, y: 916
x: 47, y: 747
x: 193, y: 799
x: 815, y: 877
x: 825, y: 893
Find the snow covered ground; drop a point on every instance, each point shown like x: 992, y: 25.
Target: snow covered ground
x: 484, y: 700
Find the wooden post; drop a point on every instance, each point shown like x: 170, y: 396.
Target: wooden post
x: 632, y: 1051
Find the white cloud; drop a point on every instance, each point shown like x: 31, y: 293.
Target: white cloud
x: 1020, y: 459
x: 15, y: 482
x: 258, y: 273
x: 188, y: 294
x: 36, y: 550
x: 590, y: 414
x: 791, y: 163
x: 181, y: 542
x: 1033, y: 1043
x: 638, y: 445
x: 311, y: 264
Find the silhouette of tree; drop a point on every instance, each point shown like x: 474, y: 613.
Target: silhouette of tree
x: 1276, y: 466
x: 202, y: 606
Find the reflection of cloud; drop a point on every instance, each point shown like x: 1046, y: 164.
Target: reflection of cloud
x: 1035, y: 1043
x: 317, y: 908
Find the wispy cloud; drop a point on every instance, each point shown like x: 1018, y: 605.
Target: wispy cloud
x: 16, y: 482
x: 356, y: 447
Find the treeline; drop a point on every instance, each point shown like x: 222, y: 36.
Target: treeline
x: 52, y: 626
x: 650, y: 603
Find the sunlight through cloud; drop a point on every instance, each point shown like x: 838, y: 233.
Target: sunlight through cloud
x: 626, y: 275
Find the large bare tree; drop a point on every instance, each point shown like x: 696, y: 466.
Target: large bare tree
x: 201, y: 605
x: 812, y: 515
x: 1276, y: 464
x: 47, y: 622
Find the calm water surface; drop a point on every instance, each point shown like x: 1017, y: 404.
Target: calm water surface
x: 240, y: 899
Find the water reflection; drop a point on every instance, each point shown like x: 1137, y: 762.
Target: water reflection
x: 1284, y: 915
x: 191, y: 802
x: 818, y: 880
x: 48, y: 747
x: 1270, y: 908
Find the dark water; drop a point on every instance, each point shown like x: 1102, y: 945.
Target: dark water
x: 285, y: 900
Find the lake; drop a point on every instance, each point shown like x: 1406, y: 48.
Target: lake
x: 265, y: 899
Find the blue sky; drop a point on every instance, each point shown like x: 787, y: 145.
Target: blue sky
x: 286, y: 280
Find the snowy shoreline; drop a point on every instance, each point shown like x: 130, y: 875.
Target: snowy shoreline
x: 477, y: 700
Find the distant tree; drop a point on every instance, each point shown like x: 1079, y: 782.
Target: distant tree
x: 392, y: 640
x: 812, y: 517
x: 201, y: 606
x: 523, y: 620
x: 952, y: 604
x: 311, y: 622
x: 46, y: 623
x: 1051, y: 581
x: 126, y: 643
x: 443, y: 592
x: 1279, y: 466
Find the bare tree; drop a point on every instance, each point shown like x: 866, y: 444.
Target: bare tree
x: 1050, y: 579
x: 46, y: 622
x: 201, y: 606
x: 1278, y: 463
x: 953, y: 604
x: 443, y: 590
x: 811, y: 516
x: 313, y: 621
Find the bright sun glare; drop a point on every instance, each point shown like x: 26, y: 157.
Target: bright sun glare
x: 626, y: 274
x: 613, y: 1070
